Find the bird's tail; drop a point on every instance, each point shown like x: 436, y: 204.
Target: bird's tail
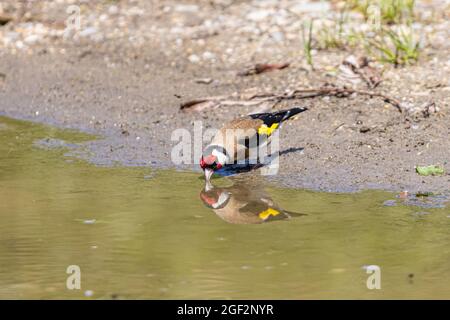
x: 292, y: 214
x: 286, y: 114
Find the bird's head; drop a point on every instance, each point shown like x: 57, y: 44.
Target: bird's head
x: 215, y: 198
x: 209, y: 164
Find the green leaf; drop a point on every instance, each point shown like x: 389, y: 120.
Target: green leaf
x: 430, y: 170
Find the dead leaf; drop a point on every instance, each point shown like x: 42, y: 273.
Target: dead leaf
x: 430, y: 170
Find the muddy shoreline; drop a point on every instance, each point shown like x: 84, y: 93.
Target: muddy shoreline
x: 130, y: 96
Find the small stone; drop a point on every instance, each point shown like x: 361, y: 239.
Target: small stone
x: 103, y: 17
x: 88, y: 293
x: 390, y: 203
x: 317, y: 7
x: 364, y: 129
x: 135, y: 11
x: 19, y: 45
x: 113, y: 10
x: 194, y: 58
x: 204, y: 80
x: 88, y: 32
x: 31, y: 39
x: 277, y: 36
x: 258, y: 15
x: 186, y: 8
x: 208, y: 55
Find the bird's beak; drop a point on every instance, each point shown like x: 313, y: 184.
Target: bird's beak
x: 208, y: 174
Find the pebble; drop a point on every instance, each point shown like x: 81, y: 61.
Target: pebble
x: 31, y: 39
x: 204, y: 80
x: 319, y: 6
x: 194, y: 58
x: 135, y: 11
x: 88, y: 293
x: 278, y: 36
x: 88, y: 32
x: 113, y: 10
x: 208, y: 55
x: 258, y: 15
x: 186, y: 8
x: 390, y: 203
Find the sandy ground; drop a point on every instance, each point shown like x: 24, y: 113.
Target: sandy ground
x: 124, y: 74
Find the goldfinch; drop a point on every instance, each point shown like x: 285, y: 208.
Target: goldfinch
x: 243, y: 204
x: 252, y: 131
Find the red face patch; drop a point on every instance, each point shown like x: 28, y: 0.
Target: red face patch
x: 202, y: 163
x: 209, y: 162
x: 209, y: 198
x: 210, y: 159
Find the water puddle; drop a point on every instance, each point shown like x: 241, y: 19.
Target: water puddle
x: 139, y: 233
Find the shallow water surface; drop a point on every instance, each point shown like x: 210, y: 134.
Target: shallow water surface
x: 138, y: 233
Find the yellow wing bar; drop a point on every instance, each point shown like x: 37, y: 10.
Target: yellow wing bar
x: 264, y: 129
x: 267, y: 213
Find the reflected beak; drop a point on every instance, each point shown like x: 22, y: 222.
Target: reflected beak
x: 208, y: 174
x: 208, y: 186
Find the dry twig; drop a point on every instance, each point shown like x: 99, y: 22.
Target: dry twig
x: 295, y: 94
x: 261, y: 68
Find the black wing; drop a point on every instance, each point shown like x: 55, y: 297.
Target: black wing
x: 277, y: 117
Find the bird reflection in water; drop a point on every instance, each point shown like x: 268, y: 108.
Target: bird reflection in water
x: 243, y: 203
